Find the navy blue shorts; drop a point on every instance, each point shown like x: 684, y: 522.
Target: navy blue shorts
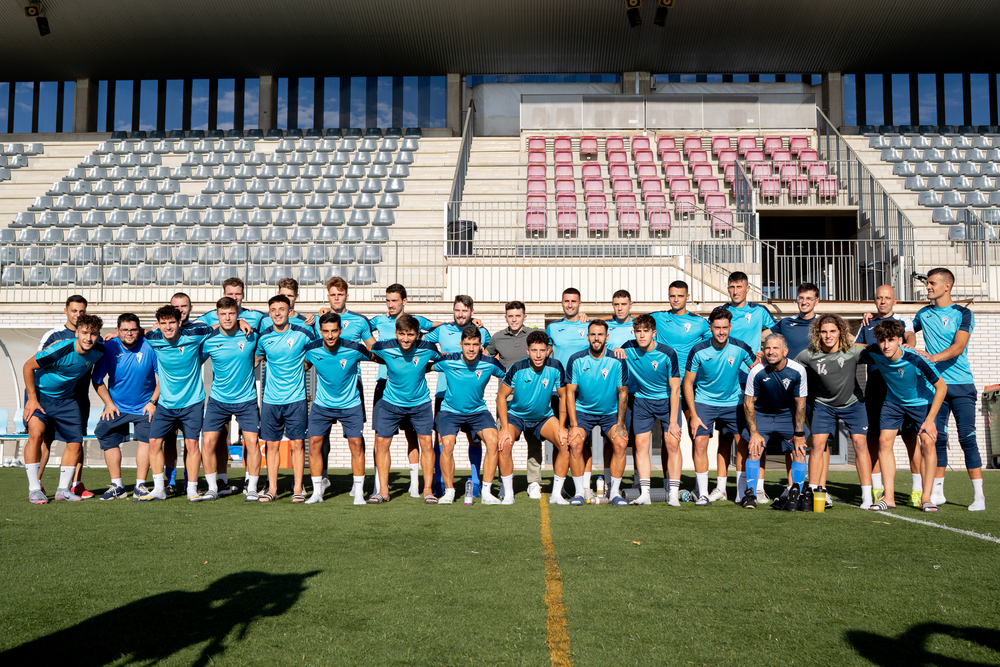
x: 321, y: 421
x: 529, y: 429
x: 278, y: 420
x: 607, y: 422
x: 646, y: 411
x: 465, y: 428
x: 728, y: 419
x: 774, y: 428
x: 166, y: 421
x: 875, y: 396
x: 824, y: 418
x: 390, y: 418
x: 111, y: 433
x: 897, y: 417
x: 450, y: 423
x: 218, y: 414
x: 61, y: 418
x: 377, y: 399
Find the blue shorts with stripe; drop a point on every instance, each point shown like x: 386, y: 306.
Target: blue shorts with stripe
x: 897, y: 417
x: 61, y: 418
x: 218, y: 414
x: 529, y: 429
x: 389, y: 419
x: 727, y: 418
x: 111, y: 433
x: 321, y: 421
x: 824, y: 418
x: 450, y: 423
x: 166, y: 421
x: 289, y: 420
x: 607, y: 422
x: 774, y: 427
x: 645, y: 412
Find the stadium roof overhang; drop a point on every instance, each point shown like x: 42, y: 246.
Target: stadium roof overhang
x: 225, y: 38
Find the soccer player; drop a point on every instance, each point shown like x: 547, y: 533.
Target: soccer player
x: 233, y: 394
x: 51, y: 406
x: 524, y: 405
x: 183, y: 303
x: 384, y: 329
x: 289, y: 288
x: 620, y: 331
x: 182, y: 395
x: 284, y: 412
x: 831, y: 362
x: 715, y: 366
x: 773, y: 392
x: 947, y: 328
x: 915, y: 393
x: 653, y: 367
x: 597, y: 395
x: 129, y: 397
x: 463, y: 409
x: 875, y: 393
x: 338, y: 399
x: 448, y: 338
x: 405, y: 403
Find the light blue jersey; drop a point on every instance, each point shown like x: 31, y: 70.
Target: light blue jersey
x: 597, y: 381
x: 940, y: 325
x: 232, y: 366
x: 717, y: 372
x: 62, y: 367
x: 651, y: 371
x: 567, y: 338
x: 909, y: 379
x: 531, y: 399
x: 251, y: 317
x: 449, y: 341
x: 285, y: 352
x: 180, y: 365
x: 406, y: 384
x: 680, y: 333
x: 131, y: 374
x: 337, y: 373
x: 467, y: 383
x: 266, y: 322
x: 620, y: 333
x: 354, y: 327
x: 383, y: 328
x: 748, y: 323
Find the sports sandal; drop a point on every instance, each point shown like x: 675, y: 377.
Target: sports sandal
x: 929, y: 507
x: 266, y: 498
x: 298, y: 498
x: 376, y: 499
x: 430, y: 499
x: 881, y: 506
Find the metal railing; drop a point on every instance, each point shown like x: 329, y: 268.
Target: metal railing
x: 454, y: 212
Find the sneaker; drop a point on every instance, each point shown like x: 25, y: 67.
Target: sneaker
x: 716, y: 495
x: 793, y: 499
x: 66, y: 494
x: 79, y: 490
x: 37, y: 497
x: 672, y: 499
x: 208, y: 495
x: 140, y: 490
x: 535, y: 491
x: 749, y: 500
x: 316, y: 497
x: 829, y: 498
x: 877, y: 495
x: 489, y: 499
x: 414, y: 491
x: 225, y: 489
x: 149, y: 497
x: 763, y: 499
x: 588, y: 496
x: 702, y: 501
x: 115, y: 492
x: 780, y: 503
x: 171, y: 490
x: 196, y: 498
x: 644, y: 499
x: 806, y: 500
x: 446, y: 499
x: 978, y: 505
x: 578, y: 500
x: 557, y: 499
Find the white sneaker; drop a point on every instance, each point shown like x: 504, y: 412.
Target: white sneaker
x: 978, y: 506
x: 716, y: 495
x: 315, y: 498
x: 588, y: 496
x: 489, y: 499
x: 507, y: 500
x: 535, y: 491
x: 643, y: 499
x: 557, y: 499
x: 702, y: 501
x: 762, y: 499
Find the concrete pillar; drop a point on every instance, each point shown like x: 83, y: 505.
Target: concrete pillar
x: 85, y: 105
x: 268, y: 103
x: 629, y: 80
x: 453, y: 104
x: 832, y: 102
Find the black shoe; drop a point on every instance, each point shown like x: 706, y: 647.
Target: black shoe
x: 225, y: 489
x: 793, y: 499
x: 780, y: 503
x: 749, y: 500
x: 171, y: 490
x: 806, y: 501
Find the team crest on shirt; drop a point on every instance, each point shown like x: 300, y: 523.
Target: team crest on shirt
x: 240, y: 345
x: 654, y: 364
x: 181, y: 348
x: 479, y: 374
x: 900, y: 371
x: 687, y: 327
x: 416, y: 362
x: 343, y: 363
x: 748, y: 317
x: 840, y: 360
x: 584, y: 335
x: 944, y: 320
x: 138, y: 357
x: 545, y: 383
x: 731, y: 360
x: 290, y: 343
x: 604, y: 373
x: 786, y: 382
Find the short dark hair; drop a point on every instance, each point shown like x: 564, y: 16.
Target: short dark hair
x: 233, y: 281
x: 949, y: 276
x: 330, y: 318
x: 279, y: 298
x: 537, y: 336
x: 92, y: 322
x: 720, y: 314
x: 227, y: 303
x: 407, y: 322
x: 514, y: 305
x: 180, y: 295
x: 471, y: 332
x: 597, y: 323
x: 571, y: 290
x: 168, y: 312
x: 644, y: 322
x: 127, y: 317
x: 738, y: 277
x: 808, y: 287
x: 289, y: 283
x: 465, y: 300
x: 396, y: 288
x: 621, y: 294
x: 886, y: 329
x: 679, y: 284
x: 76, y: 298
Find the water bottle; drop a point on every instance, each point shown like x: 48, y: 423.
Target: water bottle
x: 600, y: 486
x: 468, y: 493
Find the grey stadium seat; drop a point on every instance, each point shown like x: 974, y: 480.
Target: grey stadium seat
x: 178, y: 234
x: 186, y: 254
x: 160, y: 255
x: 326, y: 234
x: 64, y: 275
x: 277, y: 274
x: 359, y: 218
x: 945, y: 216
x: 37, y: 276
x: 264, y: 255
x: 362, y: 275
x: 144, y: 275
x: 290, y: 254
x: 117, y: 275
x: 308, y: 275
x: 212, y: 254
x: 301, y: 235
x: 255, y: 275
x: 370, y: 254
x: 317, y: 254
x: 251, y: 235
x: 238, y: 218
x: 352, y: 235
x: 286, y: 218
x: 260, y: 218
x: 343, y: 254
x: 198, y: 275
x: 311, y: 218
x: 334, y: 218
x: 277, y: 235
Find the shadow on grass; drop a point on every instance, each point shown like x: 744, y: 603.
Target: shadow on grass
x: 911, y: 647
x: 152, y: 629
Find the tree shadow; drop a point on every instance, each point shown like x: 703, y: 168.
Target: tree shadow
x: 911, y: 647
x: 154, y: 628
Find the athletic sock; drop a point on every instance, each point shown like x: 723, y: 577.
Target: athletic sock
x: 877, y: 480
x: 449, y: 493
x: 66, y: 476
x: 720, y: 483
x: 939, y: 484
x: 813, y: 487
x: 157, y: 483
x: 866, y: 494
x: 741, y: 484
x: 760, y: 481
x: 586, y: 483
x: 414, y: 474
x: 192, y: 488
x: 616, y: 483
x: 317, y: 483
x: 359, y: 484
x: 223, y: 477
x: 918, y: 483
x: 32, y: 470
x: 213, y: 481
x: 117, y: 481
x: 557, y: 485
x: 252, y: 483
x: 674, y: 487
x: 171, y: 474
x: 798, y: 473
x: 580, y: 484
x: 643, y: 487
x: 977, y: 487
x: 753, y: 472
x: 508, y: 485
x: 139, y: 481
x: 701, y: 484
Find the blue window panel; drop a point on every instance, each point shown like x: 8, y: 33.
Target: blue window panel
x: 900, y: 99
x: 873, y: 98
x: 69, y: 89
x: 282, y: 120
x: 953, y: 111
x: 307, y: 96
x: 199, y: 104
x: 850, y: 100
x: 793, y: 78
x: 438, y: 101
x: 47, y: 98
x: 384, y: 113
x: 766, y: 78
x: 358, y: 94
x: 4, y: 96
x: 147, y: 105
x: 172, y: 112
x: 23, y: 92
x: 410, y: 101
x: 927, y: 96
x: 331, y: 102
x: 225, y: 115
x: 980, y: 84
x: 251, y: 104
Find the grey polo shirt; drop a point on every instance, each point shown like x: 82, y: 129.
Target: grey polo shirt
x: 509, y: 347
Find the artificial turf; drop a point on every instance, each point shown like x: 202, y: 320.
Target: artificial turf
x: 234, y: 583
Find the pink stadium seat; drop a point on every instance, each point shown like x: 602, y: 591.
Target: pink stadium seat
x: 536, y: 186
x: 643, y: 155
x: 781, y: 155
x: 665, y: 143
x: 591, y: 170
x: 744, y: 144
x: 817, y: 170
x: 639, y: 144
x: 708, y: 186
x: 565, y: 186
x: 755, y: 155
x: 566, y: 214
x: 536, y: 170
x: 670, y: 155
x: 798, y: 144
x: 715, y: 201
x: 564, y: 171
x: 770, y: 188
x: 536, y: 157
x: 613, y: 143
x: 620, y: 185
x: 625, y: 196
x: 697, y: 156
x: 618, y: 170
x: 729, y: 174
x: 684, y: 204
x: 595, y: 197
x: 720, y: 144
x: 645, y: 171
x: 722, y: 221
x: 828, y: 187
x: 809, y: 155
x: 701, y: 170
x: 651, y: 186
x: 798, y: 187
x: 628, y: 218
x: 588, y: 147
x: 534, y: 219
x: 789, y: 172
x: 564, y: 157
x: 598, y: 220
x: 761, y: 171
x: 772, y: 144
x: 618, y: 157
x: 562, y: 144
x: 678, y: 185
x: 691, y: 144
x: 536, y: 144
x: 593, y: 186
x: 673, y: 169
x: 657, y: 215
x: 727, y: 157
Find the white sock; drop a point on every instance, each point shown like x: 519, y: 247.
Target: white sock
x: 486, y: 489
x: 66, y: 476
x: 616, y: 483
x: 877, y: 480
x: 224, y: 477
x: 359, y: 484
x: 213, y: 481
x: 720, y: 482
x: 741, y: 485
x: 866, y: 495
x: 977, y: 486
x: 158, y: 483
x: 117, y: 481
x: 252, y: 483
x: 918, y: 483
x: 939, y: 484
x: 32, y: 470
x: 607, y: 473
x: 317, y: 483
x: 813, y: 487
x: 586, y: 482
x: 557, y: 485
x: 581, y: 484
x: 674, y: 487
x: 760, y: 484
x: 192, y: 488
x: 414, y: 474
x: 139, y: 481
x: 508, y: 486
x: 701, y: 483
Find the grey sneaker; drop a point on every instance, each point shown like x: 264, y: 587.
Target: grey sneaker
x: 702, y: 501
x: 115, y: 492
x: 66, y: 494
x: 37, y: 497
x: 588, y: 496
x: 140, y: 489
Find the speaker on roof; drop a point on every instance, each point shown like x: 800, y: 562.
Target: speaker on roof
x: 660, y: 18
x: 632, y: 10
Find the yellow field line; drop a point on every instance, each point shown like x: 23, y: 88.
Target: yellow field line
x: 558, y: 636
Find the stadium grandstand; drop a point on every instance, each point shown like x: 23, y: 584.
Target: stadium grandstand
x: 503, y: 151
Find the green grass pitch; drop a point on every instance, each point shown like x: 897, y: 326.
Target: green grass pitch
x: 233, y: 583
